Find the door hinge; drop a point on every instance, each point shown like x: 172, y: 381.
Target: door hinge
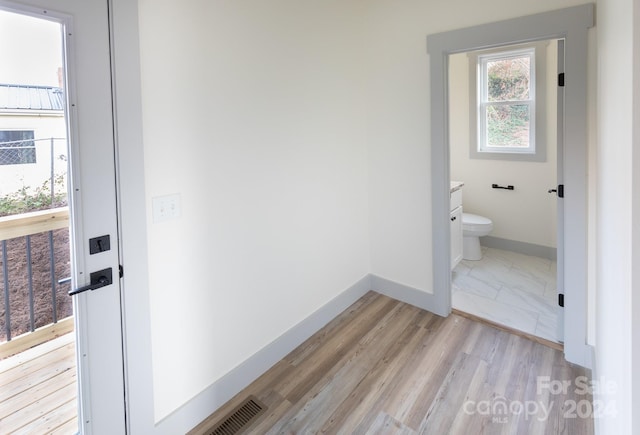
x: 120, y: 271
x: 561, y: 299
x: 560, y: 190
x: 561, y: 79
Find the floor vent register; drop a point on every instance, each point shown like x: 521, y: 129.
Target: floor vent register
x: 240, y: 418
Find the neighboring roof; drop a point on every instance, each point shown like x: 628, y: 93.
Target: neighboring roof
x: 28, y: 97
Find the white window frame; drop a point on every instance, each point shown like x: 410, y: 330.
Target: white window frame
x: 484, y: 103
x: 537, y: 127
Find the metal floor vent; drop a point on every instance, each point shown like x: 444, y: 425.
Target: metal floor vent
x: 240, y: 418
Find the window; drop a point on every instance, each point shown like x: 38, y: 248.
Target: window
x: 506, y: 102
x: 509, y: 102
x: 17, y: 147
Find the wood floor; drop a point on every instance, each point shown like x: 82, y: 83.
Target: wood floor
x: 38, y: 389
x: 385, y: 367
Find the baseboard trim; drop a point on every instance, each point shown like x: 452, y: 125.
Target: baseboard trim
x: 217, y: 394
x: 520, y: 247
x: 404, y: 293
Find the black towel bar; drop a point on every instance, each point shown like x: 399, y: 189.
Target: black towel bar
x: 495, y: 186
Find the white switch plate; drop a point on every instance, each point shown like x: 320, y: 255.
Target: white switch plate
x: 166, y: 207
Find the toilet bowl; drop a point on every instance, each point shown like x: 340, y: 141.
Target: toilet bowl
x: 474, y: 227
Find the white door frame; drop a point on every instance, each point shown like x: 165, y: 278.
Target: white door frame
x: 570, y: 24
x: 560, y: 202
x: 127, y: 88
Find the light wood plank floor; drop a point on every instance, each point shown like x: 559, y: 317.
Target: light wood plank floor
x: 385, y: 367
x: 38, y: 389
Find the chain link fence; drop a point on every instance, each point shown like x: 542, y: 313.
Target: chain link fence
x: 31, y: 167
x: 17, y: 152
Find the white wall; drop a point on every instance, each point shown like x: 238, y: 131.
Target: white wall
x: 254, y: 113
x: 618, y: 165
x: 528, y: 213
x: 398, y: 123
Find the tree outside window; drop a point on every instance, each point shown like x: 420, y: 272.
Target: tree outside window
x: 506, y: 102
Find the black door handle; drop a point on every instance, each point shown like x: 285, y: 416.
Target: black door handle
x: 99, y: 279
x: 559, y: 190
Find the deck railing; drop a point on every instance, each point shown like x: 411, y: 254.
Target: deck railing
x: 27, y: 225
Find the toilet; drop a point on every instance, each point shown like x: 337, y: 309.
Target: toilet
x: 474, y: 227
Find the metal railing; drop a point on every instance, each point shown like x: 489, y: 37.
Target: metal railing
x: 25, y: 226
x: 34, y: 245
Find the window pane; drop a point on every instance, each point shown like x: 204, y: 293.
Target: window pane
x: 508, y: 125
x: 508, y: 79
x: 15, y: 135
x: 17, y: 147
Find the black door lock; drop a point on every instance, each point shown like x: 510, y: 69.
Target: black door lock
x: 99, y: 244
x: 99, y: 279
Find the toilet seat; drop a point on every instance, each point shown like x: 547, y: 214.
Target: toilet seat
x: 473, y: 222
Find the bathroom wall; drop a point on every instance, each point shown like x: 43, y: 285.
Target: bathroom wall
x: 528, y: 213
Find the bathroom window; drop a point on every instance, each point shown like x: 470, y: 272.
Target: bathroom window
x: 508, y: 103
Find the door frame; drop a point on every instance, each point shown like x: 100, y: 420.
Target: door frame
x: 560, y: 180
x: 132, y: 215
x: 571, y: 25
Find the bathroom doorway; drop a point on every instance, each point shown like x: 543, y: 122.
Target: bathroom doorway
x: 505, y: 107
x: 572, y: 25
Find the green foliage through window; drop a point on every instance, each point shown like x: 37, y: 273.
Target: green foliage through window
x: 508, y: 79
x: 506, y: 100
x: 508, y: 126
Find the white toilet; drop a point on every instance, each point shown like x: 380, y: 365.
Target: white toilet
x: 474, y: 227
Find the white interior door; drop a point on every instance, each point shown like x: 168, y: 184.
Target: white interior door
x: 93, y: 206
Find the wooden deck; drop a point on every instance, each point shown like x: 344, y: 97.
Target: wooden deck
x: 38, y: 390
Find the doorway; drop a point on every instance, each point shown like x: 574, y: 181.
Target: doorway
x: 83, y: 35
x: 507, y: 162
x: 37, y: 342
x: 570, y: 24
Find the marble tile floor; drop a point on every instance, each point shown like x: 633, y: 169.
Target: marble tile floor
x: 512, y: 289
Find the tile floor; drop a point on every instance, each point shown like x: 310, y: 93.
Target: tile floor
x: 516, y: 290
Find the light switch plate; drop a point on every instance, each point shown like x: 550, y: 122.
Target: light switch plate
x: 166, y: 207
